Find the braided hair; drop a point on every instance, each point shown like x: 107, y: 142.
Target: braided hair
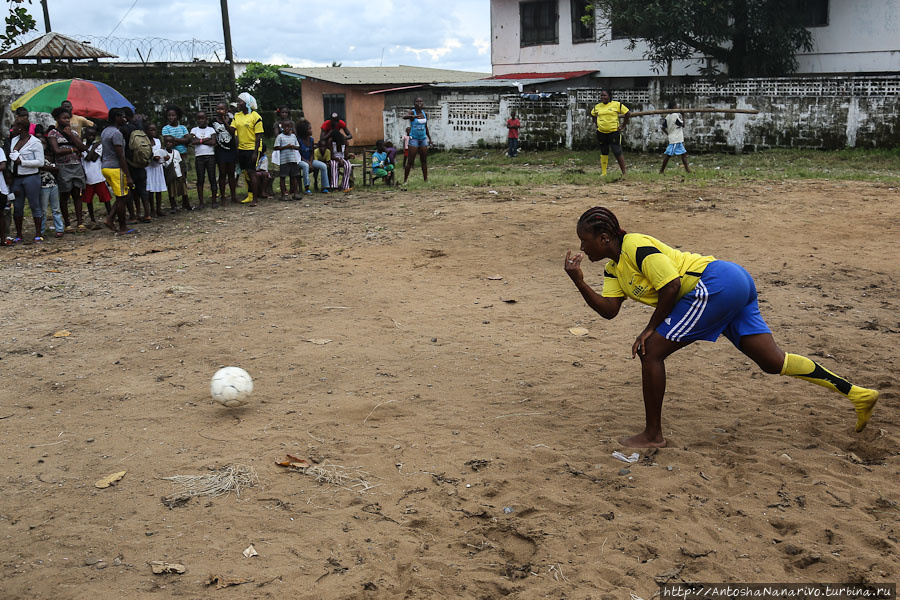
x: 601, y: 220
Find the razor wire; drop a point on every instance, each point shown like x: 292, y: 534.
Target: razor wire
x: 149, y: 49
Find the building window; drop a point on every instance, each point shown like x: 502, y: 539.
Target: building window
x: 334, y: 103
x: 540, y: 23
x: 580, y: 31
x: 815, y: 13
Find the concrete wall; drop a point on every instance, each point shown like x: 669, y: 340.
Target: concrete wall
x: 862, y: 36
x: 823, y: 113
x: 148, y: 87
x: 364, y: 111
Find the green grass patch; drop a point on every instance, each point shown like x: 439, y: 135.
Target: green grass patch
x: 491, y: 167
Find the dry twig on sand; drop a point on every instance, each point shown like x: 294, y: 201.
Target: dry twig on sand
x: 230, y: 478
x: 352, y: 478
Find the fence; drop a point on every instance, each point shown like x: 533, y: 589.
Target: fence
x: 149, y: 49
x: 821, y: 112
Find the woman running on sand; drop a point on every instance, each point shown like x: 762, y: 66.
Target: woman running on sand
x: 695, y: 298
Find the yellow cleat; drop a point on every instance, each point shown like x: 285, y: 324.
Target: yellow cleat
x: 864, y: 401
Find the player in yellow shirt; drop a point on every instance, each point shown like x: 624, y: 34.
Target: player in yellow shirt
x: 609, y: 130
x: 695, y: 298
x: 248, y: 127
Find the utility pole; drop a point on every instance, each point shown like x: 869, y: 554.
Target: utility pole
x: 226, y: 28
x: 229, y: 55
x: 47, y: 15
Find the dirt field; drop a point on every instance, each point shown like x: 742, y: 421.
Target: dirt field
x: 486, y: 426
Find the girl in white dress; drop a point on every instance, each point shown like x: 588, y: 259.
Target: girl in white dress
x: 156, y: 177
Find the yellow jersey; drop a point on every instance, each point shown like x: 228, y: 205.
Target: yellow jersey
x: 646, y: 265
x: 607, y: 115
x: 246, y: 126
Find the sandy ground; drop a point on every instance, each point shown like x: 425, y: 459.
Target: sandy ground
x: 486, y: 426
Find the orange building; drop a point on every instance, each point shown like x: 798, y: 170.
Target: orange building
x: 352, y: 92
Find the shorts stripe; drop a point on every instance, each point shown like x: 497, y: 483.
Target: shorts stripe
x: 693, y: 314
x: 697, y: 318
x: 684, y: 318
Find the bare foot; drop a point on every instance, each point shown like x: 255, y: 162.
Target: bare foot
x: 642, y: 440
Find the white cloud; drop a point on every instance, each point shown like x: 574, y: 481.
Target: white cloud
x: 353, y: 32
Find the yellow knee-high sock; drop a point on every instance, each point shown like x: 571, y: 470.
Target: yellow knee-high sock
x: 604, y: 161
x: 249, y: 197
x: 863, y: 399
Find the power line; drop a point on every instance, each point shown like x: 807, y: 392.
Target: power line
x: 122, y: 19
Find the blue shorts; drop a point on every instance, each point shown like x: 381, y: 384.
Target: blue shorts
x: 675, y: 149
x: 724, y: 301
x: 414, y: 143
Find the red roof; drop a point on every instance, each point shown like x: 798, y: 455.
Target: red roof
x: 562, y: 75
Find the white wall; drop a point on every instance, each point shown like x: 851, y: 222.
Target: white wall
x: 799, y: 112
x: 862, y: 36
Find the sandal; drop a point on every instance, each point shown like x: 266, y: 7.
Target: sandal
x: 129, y: 232
x: 82, y: 228
x: 69, y: 229
x: 144, y: 219
x: 38, y: 239
x: 58, y: 234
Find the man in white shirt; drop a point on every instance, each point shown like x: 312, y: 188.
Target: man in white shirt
x: 673, y: 125
x: 203, y: 139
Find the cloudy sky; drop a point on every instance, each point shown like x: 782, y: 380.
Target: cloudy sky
x: 429, y: 33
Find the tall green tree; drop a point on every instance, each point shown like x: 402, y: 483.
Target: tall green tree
x: 18, y: 22
x: 750, y: 38
x: 269, y: 86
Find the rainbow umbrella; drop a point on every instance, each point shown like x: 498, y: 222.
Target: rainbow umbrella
x: 88, y: 98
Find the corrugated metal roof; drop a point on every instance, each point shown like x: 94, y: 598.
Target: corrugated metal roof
x: 555, y: 76
x: 498, y: 83
x: 383, y: 75
x: 56, y: 45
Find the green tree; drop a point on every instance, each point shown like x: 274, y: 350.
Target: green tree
x: 751, y: 38
x: 18, y: 22
x: 269, y: 86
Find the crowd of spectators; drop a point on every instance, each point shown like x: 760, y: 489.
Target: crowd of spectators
x: 130, y: 162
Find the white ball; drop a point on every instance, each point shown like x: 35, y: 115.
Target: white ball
x: 231, y: 386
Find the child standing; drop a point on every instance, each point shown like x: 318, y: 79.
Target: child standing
x: 288, y: 147
x: 405, y: 140
x: 94, y: 179
x: 180, y: 137
x: 225, y: 150
x: 390, y: 151
x: 263, y: 176
x: 50, y: 195
x: 204, y: 141
x: 673, y: 125
x: 175, y: 179
x: 156, y: 173
x: 512, y: 136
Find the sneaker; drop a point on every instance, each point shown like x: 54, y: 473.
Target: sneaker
x: 38, y: 240
x: 325, y: 191
x: 307, y: 191
x: 58, y: 234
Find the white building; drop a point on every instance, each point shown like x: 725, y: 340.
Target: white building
x: 547, y: 36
